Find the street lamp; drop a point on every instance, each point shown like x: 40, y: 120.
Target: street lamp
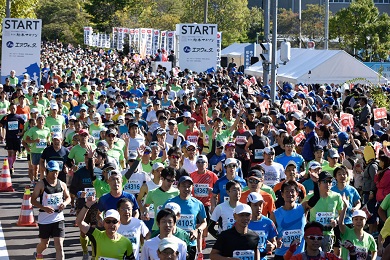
x: 368, y: 37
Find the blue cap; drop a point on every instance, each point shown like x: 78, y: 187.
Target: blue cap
x: 330, y: 100
x: 184, y: 144
x: 283, y: 118
x: 266, y: 96
x: 301, y: 95
x: 232, y: 103
x: 185, y: 178
x: 343, y: 136
x: 379, y: 133
x: 53, y: 166
x: 310, y: 124
x: 328, y: 93
x: 312, y: 94
x: 328, y: 87
x: 266, y: 87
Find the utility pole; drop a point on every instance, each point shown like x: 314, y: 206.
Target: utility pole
x: 326, y: 24
x: 8, y: 9
x: 300, y: 22
x: 266, y: 39
x: 206, y: 9
x: 274, y: 49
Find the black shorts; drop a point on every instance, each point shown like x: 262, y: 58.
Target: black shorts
x: 208, y: 215
x: 13, y: 144
x: 56, y: 229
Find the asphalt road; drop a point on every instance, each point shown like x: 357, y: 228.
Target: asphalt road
x: 21, y: 241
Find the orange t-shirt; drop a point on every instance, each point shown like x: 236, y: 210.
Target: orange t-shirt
x: 269, y: 203
x: 203, y: 185
x: 24, y: 112
x: 278, y: 186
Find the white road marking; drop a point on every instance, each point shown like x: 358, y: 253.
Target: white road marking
x: 3, y: 246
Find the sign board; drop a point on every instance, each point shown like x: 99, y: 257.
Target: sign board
x: 380, y: 113
x: 21, y: 48
x: 197, y: 46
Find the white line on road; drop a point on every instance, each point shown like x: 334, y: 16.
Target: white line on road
x: 3, y: 246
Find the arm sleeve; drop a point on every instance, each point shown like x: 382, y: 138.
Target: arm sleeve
x: 90, y: 169
x: 211, y: 229
x: 316, y: 196
x: 132, y: 169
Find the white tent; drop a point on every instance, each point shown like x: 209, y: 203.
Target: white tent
x: 236, y: 51
x: 320, y: 66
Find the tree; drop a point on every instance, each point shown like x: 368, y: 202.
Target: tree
x: 361, y: 27
x: 63, y: 20
x: 255, y: 25
x: 288, y: 22
x: 19, y: 9
x: 313, y: 19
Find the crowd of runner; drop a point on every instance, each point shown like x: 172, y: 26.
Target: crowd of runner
x: 153, y: 161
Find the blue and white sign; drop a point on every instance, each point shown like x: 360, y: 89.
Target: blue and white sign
x: 249, y: 52
x: 197, y: 49
x: 21, y: 48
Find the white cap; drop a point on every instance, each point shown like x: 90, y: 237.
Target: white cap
x: 54, y: 106
x: 112, y: 213
x: 187, y: 114
x: 202, y: 157
x: 34, y: 110
x: 230, y: 161
x: 314, y: 165
x: 191, y: 144
x: 174, y: 207
x: 168, y: 242
x: 359, y: 213
x: 254, y: 197
x: 157, y: 165
x: 57, y: 136
x: 242, y: 208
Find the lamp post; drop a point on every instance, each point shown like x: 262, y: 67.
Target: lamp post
x: 206, y: 7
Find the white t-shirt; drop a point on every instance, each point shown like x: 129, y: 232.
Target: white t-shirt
x: 190, y: 166
x: 224, y: 211
x: 273, y: 173
x: 135, y: 182
x: 149, y: 250
x: 151, y: 117
x: 135, y: 143
x: 133, y: 232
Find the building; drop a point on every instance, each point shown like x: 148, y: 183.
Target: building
x: 334, y: 5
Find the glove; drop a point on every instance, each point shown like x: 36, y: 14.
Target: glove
x: 294, y: 245
x: 349, y: 246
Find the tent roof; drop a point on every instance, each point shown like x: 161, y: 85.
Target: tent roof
x: 320, y: 66
x: 236, y: 49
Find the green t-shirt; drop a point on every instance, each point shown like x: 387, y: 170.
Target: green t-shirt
x: 65, y: 109
x: 105, y: 246
x: 147, y: 167
x: 93, y: 102
x: 223, y: 136
x: 102, y: 187
x: 43, y: 135
x: 327, y: 168
x: 4, y: 105
x: 85, y: 89
x: 228, y: 123
x: 175, y: 88
x: 40, y: 107
x: 95, y: 130
x: 69, y: 137
x: 55, y: 124
x: 29, y: 98
x: 182, y: 128
x: 326, y: 209
x: 367, y: 244
x: 77, y: 153
x: 44, y: 102
x: 385, y: 205
x: 269, y: 190
x: 157, y: 197
x: 120, y: 144
x: 116, y: 154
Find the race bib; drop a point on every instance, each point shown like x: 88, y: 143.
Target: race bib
x: 186, y: 222
x: 151, y: 211
x: 361, y: 253
x: 56, y: 128
x: 133, y: 186
x: 201, y: 189
x: 42, y: 144
x: 13, y: 125
x: 106, y: 258
x: 259, y: 154
x: 96, y: 134
x: 130, y: 236
x: 81, y: 165
x: 241, y: 140
x: 263, y: 238
x: 202, y: 127
x: 290, y: 235
x: 193, y: 139
x: 324, y: 217
x: 244, y: 254
x: 89, y: 192
x: 54, y: 200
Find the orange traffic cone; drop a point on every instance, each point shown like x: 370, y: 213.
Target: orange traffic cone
x: 26, y: 217
x: 5, y: 179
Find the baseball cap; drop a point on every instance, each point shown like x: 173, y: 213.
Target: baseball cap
x: 185, y: 178
x: 255, y: 174
x: 54, y: 106
x: 83, y: 107
x: 172, y: 122
x: 83, y: 131
x: 109, y: 110
x: 157, y: 165
x: 153, y: 144
x: 132, y: 155
x: 34, y: 110
x: 318, y: 148
x: 138, y: 110
x: 291, y: 163
x: 218, y: 144
x: 324, y: 175
x: 230, y: 144
x: 161, y: 131
x: 166, y: 243
x: 191, y: 144
x: 110, y: 131
x: 332, y: 153
x: 201, y: 158
x: 269, y: 150
x: 174, y: 207
x: 230, y: 161
x: 57, y: 136
x: 359, y: 213
x: 102, y: 143
x: 131, y: 124
x: 53, y: 166
x: 109, y: 165
x: 112, y: 213
x: 314, y: 165
x: 254, y: 197
x: 242, y: 208
x: 310, y: 124
x: 114, y: 172
x: 186, y: 114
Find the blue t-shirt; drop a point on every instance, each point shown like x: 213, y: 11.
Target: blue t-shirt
x: 352, y: 195
x: 283, y: 159
x: 309, y: 185
x: 192, y: 211
x: 215, y: 160
x: 220, y: 187
x: 266, y: 230
x: 107, y: 201
x: 290, y: 226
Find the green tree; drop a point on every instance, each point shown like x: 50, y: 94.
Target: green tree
x: 313, y: 21
x: 255, y: 25
x: 361, y: 27
x: 288, y: 22
x: 63, y: 20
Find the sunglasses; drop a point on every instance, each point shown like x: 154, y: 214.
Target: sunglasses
x: 327, y: 181
x: 220, y: 147
x: 317, y: 238
x: 231, y: 166
x: 147, y: 152
x: 253, y: 181
x: 131, y: 160
x: 114, y: 221
x: 190, y: 149
x: 170, y: 180
x: 201, y: 162
x: 175, y: 156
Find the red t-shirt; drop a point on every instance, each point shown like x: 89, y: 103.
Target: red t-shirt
x: 203, y: 186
